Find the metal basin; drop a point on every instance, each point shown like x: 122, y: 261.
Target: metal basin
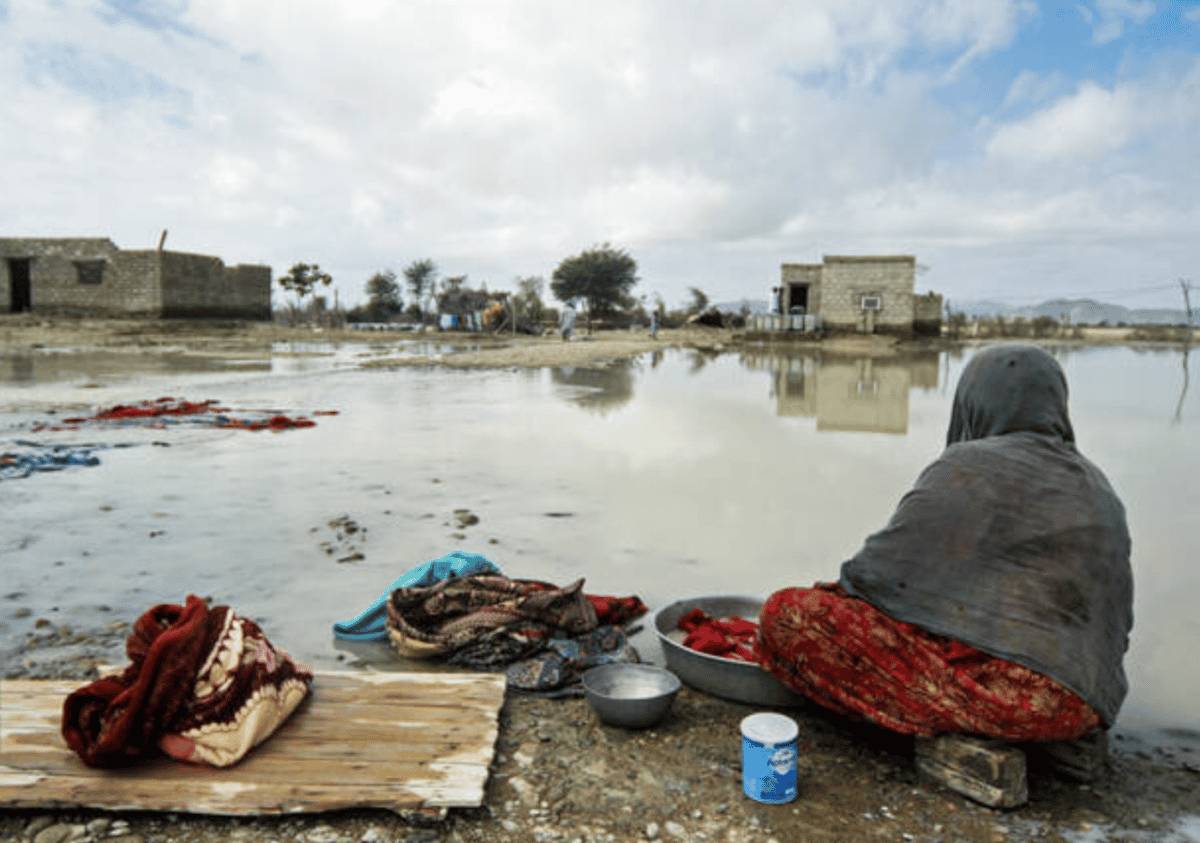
x: 631, y: 695
x: 728, y: 678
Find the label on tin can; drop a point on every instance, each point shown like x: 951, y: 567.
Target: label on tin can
x: 769, y: 757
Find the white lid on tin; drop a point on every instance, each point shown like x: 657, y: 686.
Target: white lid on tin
x: 770, y: 729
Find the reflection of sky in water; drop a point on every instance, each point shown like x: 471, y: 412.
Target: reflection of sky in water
x: 683, y: 474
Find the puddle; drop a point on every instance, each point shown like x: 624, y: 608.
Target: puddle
x: 678, y: 473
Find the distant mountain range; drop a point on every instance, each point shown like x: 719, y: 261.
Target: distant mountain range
x: 1078, y: 311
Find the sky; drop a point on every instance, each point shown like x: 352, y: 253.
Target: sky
x: 1020, y: 150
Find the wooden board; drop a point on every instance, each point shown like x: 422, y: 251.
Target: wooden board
x: 403, y: 741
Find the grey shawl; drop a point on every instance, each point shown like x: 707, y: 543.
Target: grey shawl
x: 1011, y: 541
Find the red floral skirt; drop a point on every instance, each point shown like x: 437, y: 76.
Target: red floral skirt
x: 845, y: 654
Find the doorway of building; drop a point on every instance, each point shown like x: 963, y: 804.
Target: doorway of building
x: 19, y: 285
x: 797, y: 299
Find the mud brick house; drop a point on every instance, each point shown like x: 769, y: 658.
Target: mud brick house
x: 864, y: 293
x: 90, y: 276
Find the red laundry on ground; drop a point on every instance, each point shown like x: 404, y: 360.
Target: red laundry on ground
x: 168, y: 406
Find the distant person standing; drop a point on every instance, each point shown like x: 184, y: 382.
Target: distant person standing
x: 654, y: 325
x: 566, y: 325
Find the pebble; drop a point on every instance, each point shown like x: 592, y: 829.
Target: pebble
x: 651, y: 830
x: 675, y: 829
x: 374, y: 834
x: 37, y: 824
x: 60, y: 833
x: 525, y: 791
x: 98, y: 825
x: 322, y: 834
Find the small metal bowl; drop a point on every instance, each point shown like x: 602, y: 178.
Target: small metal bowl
x: 630, y: 695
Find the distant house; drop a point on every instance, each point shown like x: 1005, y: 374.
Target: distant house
x: 862, y: 293
x: 90, y: 276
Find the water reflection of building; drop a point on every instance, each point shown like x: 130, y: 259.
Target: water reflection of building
x: 847, y: 393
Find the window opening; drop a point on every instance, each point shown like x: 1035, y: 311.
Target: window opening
x: 90, y: 272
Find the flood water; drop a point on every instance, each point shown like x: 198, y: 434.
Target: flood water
x: 675, y: 474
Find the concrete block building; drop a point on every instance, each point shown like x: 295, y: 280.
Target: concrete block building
x: 90, y: 276
x: 859, y: 292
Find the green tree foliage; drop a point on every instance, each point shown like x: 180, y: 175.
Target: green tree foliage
x: 602, y: 276
x: 383, y: 295
x: 421, y: 278
x: 302, y: 279
x: 699, y: 300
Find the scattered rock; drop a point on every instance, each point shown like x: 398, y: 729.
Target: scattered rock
x: 322, y: 834
x: 37, y: 824
x: 98, y: 825
x: 348, y: 535
x: 60, y: 833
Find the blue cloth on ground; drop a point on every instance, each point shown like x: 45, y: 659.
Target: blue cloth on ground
x: 371, y: 625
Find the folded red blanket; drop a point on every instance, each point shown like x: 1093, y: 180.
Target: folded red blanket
x: 730, y: 637
x: 203, y: 685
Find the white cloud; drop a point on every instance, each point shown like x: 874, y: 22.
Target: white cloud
x: 1034, y: 88
x: 1112, y: 15
x: 1092, y: 121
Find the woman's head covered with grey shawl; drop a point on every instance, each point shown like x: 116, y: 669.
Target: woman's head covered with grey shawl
x: 1010, y: 388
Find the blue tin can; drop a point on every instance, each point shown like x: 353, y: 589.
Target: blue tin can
x: 769, y: 757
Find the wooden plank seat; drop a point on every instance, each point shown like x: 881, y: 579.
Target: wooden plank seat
x: 402, y: 741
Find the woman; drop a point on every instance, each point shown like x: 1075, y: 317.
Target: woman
x: 998, y: 599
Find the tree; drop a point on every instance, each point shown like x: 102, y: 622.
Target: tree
x: 421, y: 277
x: 699, y: 300
x: 457, y: 299
x: 302, y: 279
x: 528, y: 301
x: 383, y: 295
x: 602, y: 276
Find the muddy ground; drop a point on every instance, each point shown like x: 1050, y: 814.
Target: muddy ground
x: 560, y: 775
